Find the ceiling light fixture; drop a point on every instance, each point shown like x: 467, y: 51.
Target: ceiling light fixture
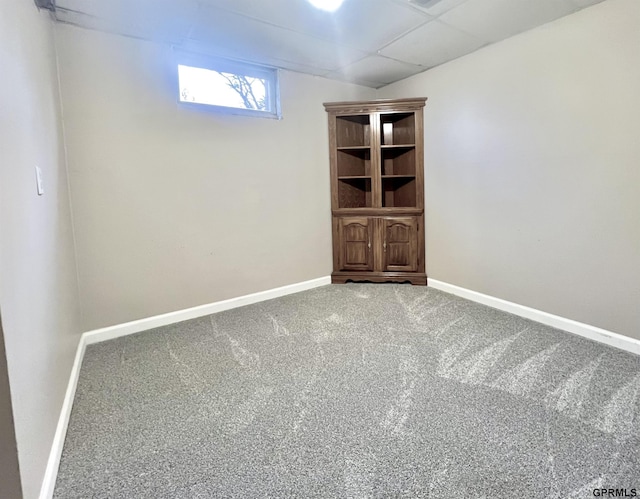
x: 328, y: 5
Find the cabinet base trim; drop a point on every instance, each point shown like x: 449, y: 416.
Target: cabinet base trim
x: 412, y: 277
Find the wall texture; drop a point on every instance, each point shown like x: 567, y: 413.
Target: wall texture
x: 533, y: 187
x: 176, y: 207
x: 38, y: 281
x: 532, y: 176
x: 9, y: 469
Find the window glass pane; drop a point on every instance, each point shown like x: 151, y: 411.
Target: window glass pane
x: 218, y: 88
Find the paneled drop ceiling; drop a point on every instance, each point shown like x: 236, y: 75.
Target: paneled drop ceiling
x: 370, y: 42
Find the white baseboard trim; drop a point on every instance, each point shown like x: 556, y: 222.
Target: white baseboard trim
x: 591, y: 332
x: 109, y: 333
x: 51, y: 472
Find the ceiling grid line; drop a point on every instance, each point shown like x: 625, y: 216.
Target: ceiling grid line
x: 367, y: 42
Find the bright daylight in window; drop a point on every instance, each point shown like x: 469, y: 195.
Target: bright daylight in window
x: 236, y: 88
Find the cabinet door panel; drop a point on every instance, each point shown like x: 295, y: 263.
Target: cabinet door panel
x: 354, y: 240
x: 400, y: 244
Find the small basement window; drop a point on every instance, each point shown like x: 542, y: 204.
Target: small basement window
x: 231, y: 87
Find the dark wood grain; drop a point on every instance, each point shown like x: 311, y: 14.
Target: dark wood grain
x: 400, y: 244
x: 354, y: 192
x: 353, y: 130
x: 354, y: 243
x: 377, y: 190
x: 411, y: 277
x: 379, y: 105
x: 354, y: 162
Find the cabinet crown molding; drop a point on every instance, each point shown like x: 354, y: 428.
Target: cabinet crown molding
x: 369, y: 106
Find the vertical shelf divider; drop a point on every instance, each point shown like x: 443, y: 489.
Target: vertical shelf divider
x: 376, y: 181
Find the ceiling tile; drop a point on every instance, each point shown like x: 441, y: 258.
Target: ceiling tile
x: 162, y: 20
x: 292, y: 34
x: 365, y: 83
x: 432, y: 44
x: 378, y: 69
x: 498, y: 19
x: 431, y: 7
x: 193, y: 47
x: 585, y: 3
x: 232, y: 35
x: 78, y: 5
x: 364, y: 24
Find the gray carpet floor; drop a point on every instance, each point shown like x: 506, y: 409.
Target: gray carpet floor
x: 356, y: 390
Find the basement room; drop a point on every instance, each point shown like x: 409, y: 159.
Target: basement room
x: 319, y: 249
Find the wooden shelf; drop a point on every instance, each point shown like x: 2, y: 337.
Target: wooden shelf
x: 398, y: 190
x: 354, y: 192
x: 376, y: 154
x: 384, y: 211
x: 397, y: 128
x: 354, y: 161
x: 353, y: 131
x: 398, y: 160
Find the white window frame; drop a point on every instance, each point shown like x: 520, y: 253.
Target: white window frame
x: 270, y: 75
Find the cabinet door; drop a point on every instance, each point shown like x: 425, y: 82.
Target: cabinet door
x: 400, y: 244
x: 354, y: 243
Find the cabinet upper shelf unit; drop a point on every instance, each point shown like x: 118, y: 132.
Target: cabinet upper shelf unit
x: 376, y: 154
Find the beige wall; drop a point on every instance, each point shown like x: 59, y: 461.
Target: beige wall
x: 533, y: 167
x: 533, y: 187
x: 176, y: 207
x: 9, y: 470
x: 38, y: 283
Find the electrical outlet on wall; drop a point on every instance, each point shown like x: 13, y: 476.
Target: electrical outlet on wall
x: 39, y: 184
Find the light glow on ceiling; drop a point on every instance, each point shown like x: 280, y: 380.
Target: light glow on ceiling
x: 328, y: 5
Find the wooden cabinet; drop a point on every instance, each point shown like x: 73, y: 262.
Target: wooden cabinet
x: 400, y: 244
x: 354, y: 236
x: 377, y: 244
x: 377, y: 194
